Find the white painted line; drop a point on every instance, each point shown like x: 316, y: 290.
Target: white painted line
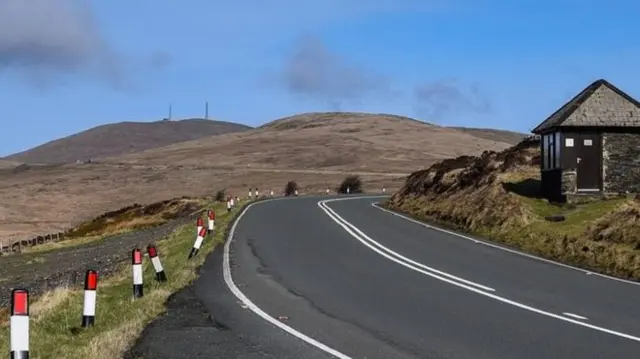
x: 575, y: 316
x: 341, y: 221
x: 496, y: 246
x: 394, y: 256
x: 246, y: 302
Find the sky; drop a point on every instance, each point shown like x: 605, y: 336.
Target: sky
x: 69, y: 65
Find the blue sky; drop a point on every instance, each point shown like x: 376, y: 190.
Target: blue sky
x: 69, y: 65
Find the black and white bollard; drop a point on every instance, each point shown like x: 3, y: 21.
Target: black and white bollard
x: 199, y: 224
x: 198, y: 243
x: 211, y: 214
x: 90, y: 296
x: 296, y: 192
x: 384, y: 190
x: 229, y: 206
x: 19, y: 323
x: 136, y: 261
x: 348, y: 190
x: 157, y: 265
x: 271, y: 193
x: 327, y: 191
x: 250, y: 193
x: 257, y: 193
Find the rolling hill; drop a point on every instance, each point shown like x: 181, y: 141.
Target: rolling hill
x: 122, y: 138
x: 315, y: 149
x: 330, y: 141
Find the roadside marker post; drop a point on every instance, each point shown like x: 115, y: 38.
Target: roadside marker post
x: 211, y: 214
x: 136, y: 261
x: 199, y: 224
x: 198, y: 243
x: 19, y: 323
x: 157, y: 264
x: 257, y: 193
x: 90, y: 296
x: 229, y: 206
x: 271, y: 193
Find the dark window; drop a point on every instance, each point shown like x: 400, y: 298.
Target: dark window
x: 551, y: 151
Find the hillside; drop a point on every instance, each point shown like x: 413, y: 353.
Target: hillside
x: 327, y: 141
x: 316, y: 150
x: 494, y: 135
x: 502, y: 201
x: 4, y: 164
x: 122, y: 138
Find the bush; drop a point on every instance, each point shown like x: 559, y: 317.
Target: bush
x: 353, y: 183
x: 221, y: 195
x: 291, y: 188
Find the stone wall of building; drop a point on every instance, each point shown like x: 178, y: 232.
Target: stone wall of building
x: 568, y: 182
x: 621, y: 163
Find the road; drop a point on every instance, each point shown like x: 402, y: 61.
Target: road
x: 344, y: 279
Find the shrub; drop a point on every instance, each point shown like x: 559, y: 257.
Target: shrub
x: 353, y: 183
x: 291, y: 188
x: 221, y: 195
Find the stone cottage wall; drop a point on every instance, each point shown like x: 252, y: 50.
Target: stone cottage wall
x: 621, y: 162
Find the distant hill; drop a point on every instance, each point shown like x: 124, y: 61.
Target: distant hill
x: 4, y: 164
x: 494, y: 135
x: 123, y: 138
x: 337, y: 141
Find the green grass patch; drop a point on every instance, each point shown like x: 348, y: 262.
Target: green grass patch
x: 56, y: 316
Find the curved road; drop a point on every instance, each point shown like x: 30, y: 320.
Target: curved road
x: 340, y: 278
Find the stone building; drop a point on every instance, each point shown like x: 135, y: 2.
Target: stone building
x: 591, y: 145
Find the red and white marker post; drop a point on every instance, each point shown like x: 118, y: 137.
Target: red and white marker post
x: 199, y: 224
x: 198, y: 243
x: 19, y: 323
x: 157, y: 265
x: 90, y: 296
x: 211, y: 214
x: 136, y: 261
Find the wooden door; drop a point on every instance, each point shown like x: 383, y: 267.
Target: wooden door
x: 588, y: 157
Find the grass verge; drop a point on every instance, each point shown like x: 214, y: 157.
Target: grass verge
x: 498, y: 196
x: 56, y: 315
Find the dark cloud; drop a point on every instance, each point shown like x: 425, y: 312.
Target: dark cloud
x: 60, y: 35
x: 448, y: 97
x: 316, y: 73
x: 46, y: 38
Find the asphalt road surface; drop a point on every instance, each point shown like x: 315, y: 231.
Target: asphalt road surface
x: 307, y: 278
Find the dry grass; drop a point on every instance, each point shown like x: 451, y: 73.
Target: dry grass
x: 500, y: 193
x: 315, y: 150
x: 55, y: 331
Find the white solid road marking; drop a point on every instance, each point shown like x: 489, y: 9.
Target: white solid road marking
x: 394, y: 256
x: 496, y: 246
x: 246, y: 302
x: 343, y: 223
x: 575, y: 316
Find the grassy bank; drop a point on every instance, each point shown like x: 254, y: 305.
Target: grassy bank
x: 497, y: 196
x: 55, y: 316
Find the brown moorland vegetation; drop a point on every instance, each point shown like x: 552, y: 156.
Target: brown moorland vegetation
x: 122, y: 138
x: 500, y: 193
x: 316, y: 150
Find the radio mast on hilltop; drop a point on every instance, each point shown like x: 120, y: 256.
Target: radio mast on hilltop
x: 206, y: 110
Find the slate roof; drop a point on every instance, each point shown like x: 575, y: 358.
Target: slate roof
x: 562, y: 114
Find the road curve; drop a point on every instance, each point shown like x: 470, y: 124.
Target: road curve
x: 354, y: 281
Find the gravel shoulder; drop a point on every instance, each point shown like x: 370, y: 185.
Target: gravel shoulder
x: 44, y: 271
